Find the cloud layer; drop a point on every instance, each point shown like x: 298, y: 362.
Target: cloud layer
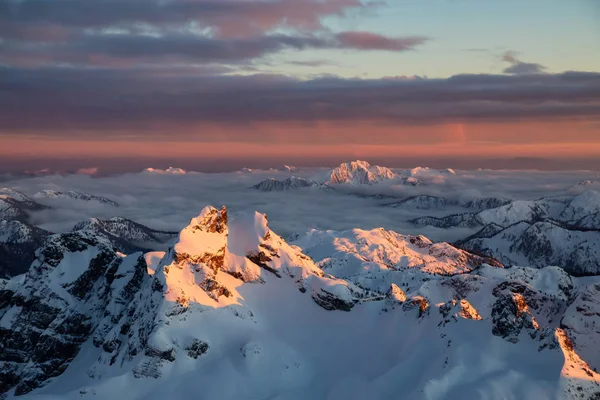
x: 58, y: 99
x: 169, y: 201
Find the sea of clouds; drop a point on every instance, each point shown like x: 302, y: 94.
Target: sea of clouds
x: 165, y: 200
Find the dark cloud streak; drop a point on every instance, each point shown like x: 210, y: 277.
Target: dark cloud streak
x: 52, y: 99
x: 225, y: 17
x: 115, y: 49
x: 518, y: 67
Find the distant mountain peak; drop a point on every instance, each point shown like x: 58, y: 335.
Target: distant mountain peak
x: 168, y: 171
x: 358, y: 173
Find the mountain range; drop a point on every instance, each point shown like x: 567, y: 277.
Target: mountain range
x: 562, y: 231
x: 349, y: 173
x: 233, y: 311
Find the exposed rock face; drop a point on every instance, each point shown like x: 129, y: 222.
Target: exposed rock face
x: 417, y: 302
x: 396, y: 294
x: 201, y: 275
x: 58, y: 305
x: 453, y: 310
x: 579, y: 381
x: 511, y: 316
x: 581, y: 323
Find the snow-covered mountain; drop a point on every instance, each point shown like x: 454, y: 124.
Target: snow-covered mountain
x: 561, y: 231
x: 14, y: 194
x: 582, y: 211
x: 233, y: 311
x: 539, y: 244
x: 18, y: 243
x: 356, y: 173
x: 15, y: 205
x: 53, y: 194
x: 274, y: 185
x: 125, y: 235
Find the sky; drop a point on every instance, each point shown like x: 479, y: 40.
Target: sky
x: 219, y: 84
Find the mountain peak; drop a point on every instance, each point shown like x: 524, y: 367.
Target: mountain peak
x: 170, y: 170
x: 358, y: 173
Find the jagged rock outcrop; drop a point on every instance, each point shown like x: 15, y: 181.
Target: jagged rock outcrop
x: 511, y: 316
x: 419, y: 303
x: 396, y: 294
x: 453, y: 310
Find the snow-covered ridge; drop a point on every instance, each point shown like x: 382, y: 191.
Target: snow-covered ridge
x: 581, y: 210
x: 562, y: 231
x: 348, y: 254
x: 54, y: 194
x: 126, y: 235
x: 15, y: 205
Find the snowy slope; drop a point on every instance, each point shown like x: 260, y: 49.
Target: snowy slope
x: 233, y: 311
